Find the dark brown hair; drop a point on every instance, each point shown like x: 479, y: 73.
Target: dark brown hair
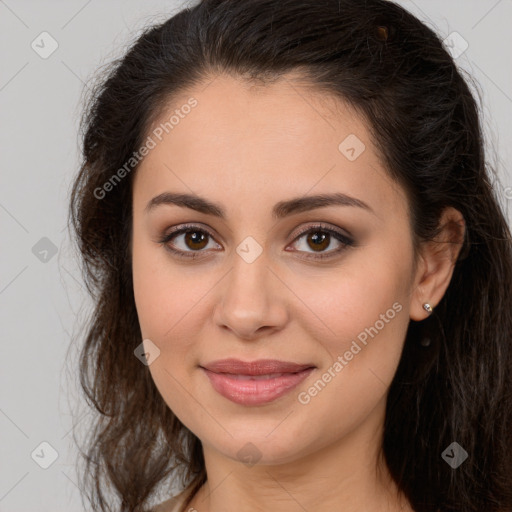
x: 425, y: 123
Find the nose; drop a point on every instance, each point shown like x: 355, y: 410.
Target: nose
x: 251, y: 300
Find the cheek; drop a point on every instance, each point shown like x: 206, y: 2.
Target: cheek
x: 148, y: 288
x: 359, y: 311
x: 162, y: 295
x: 357, y: 293
x: 162, y: 309
x: 363, y: 324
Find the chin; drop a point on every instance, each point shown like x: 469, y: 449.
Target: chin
x: 261, y: 448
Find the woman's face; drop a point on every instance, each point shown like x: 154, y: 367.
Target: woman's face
x: 256, y: 287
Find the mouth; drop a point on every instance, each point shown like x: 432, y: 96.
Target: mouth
x: 257, y: 382
x: 258, y: 367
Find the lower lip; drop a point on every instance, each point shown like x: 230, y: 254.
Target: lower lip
x: 244, y: 391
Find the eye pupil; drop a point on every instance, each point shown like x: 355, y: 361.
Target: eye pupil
x: 190, y: 236
x: 319, y: 240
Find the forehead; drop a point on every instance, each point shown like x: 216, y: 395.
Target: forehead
x: 285, y: 138
x: 287, y: 110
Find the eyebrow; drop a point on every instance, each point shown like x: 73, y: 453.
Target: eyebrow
x: 279, y: 211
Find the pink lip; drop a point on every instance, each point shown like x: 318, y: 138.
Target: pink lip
x: 255, y: 382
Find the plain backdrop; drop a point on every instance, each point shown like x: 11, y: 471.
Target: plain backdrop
x: 42, y: 298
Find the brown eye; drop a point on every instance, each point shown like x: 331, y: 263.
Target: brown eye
x: 319, y: 241
x: 320, y: 238
x: 187, y: 242
x: 195, y: 239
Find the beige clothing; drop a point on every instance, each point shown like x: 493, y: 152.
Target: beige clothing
x: 176, y: 503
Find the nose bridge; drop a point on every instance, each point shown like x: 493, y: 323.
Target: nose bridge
x: 248, y: 279
x: 248, y: 298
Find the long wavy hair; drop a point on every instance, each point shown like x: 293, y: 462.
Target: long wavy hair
x: 426, y: 125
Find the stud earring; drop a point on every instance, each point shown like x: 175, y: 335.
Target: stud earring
x: 427, y: 307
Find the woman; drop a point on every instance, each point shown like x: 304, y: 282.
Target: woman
x: 302, y: 274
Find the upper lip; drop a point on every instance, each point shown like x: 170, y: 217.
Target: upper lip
x: 259, y: 367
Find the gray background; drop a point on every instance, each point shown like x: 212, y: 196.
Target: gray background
x: 42, y: 299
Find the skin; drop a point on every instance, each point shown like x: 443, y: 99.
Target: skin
x: 248, y: 147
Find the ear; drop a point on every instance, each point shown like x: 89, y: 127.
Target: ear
x: 436, y: 263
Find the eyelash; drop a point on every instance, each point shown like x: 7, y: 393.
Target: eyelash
x: 343, y: 239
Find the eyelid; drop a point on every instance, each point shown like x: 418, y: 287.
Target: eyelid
x: 180, y: 228
x: 323, y: 226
